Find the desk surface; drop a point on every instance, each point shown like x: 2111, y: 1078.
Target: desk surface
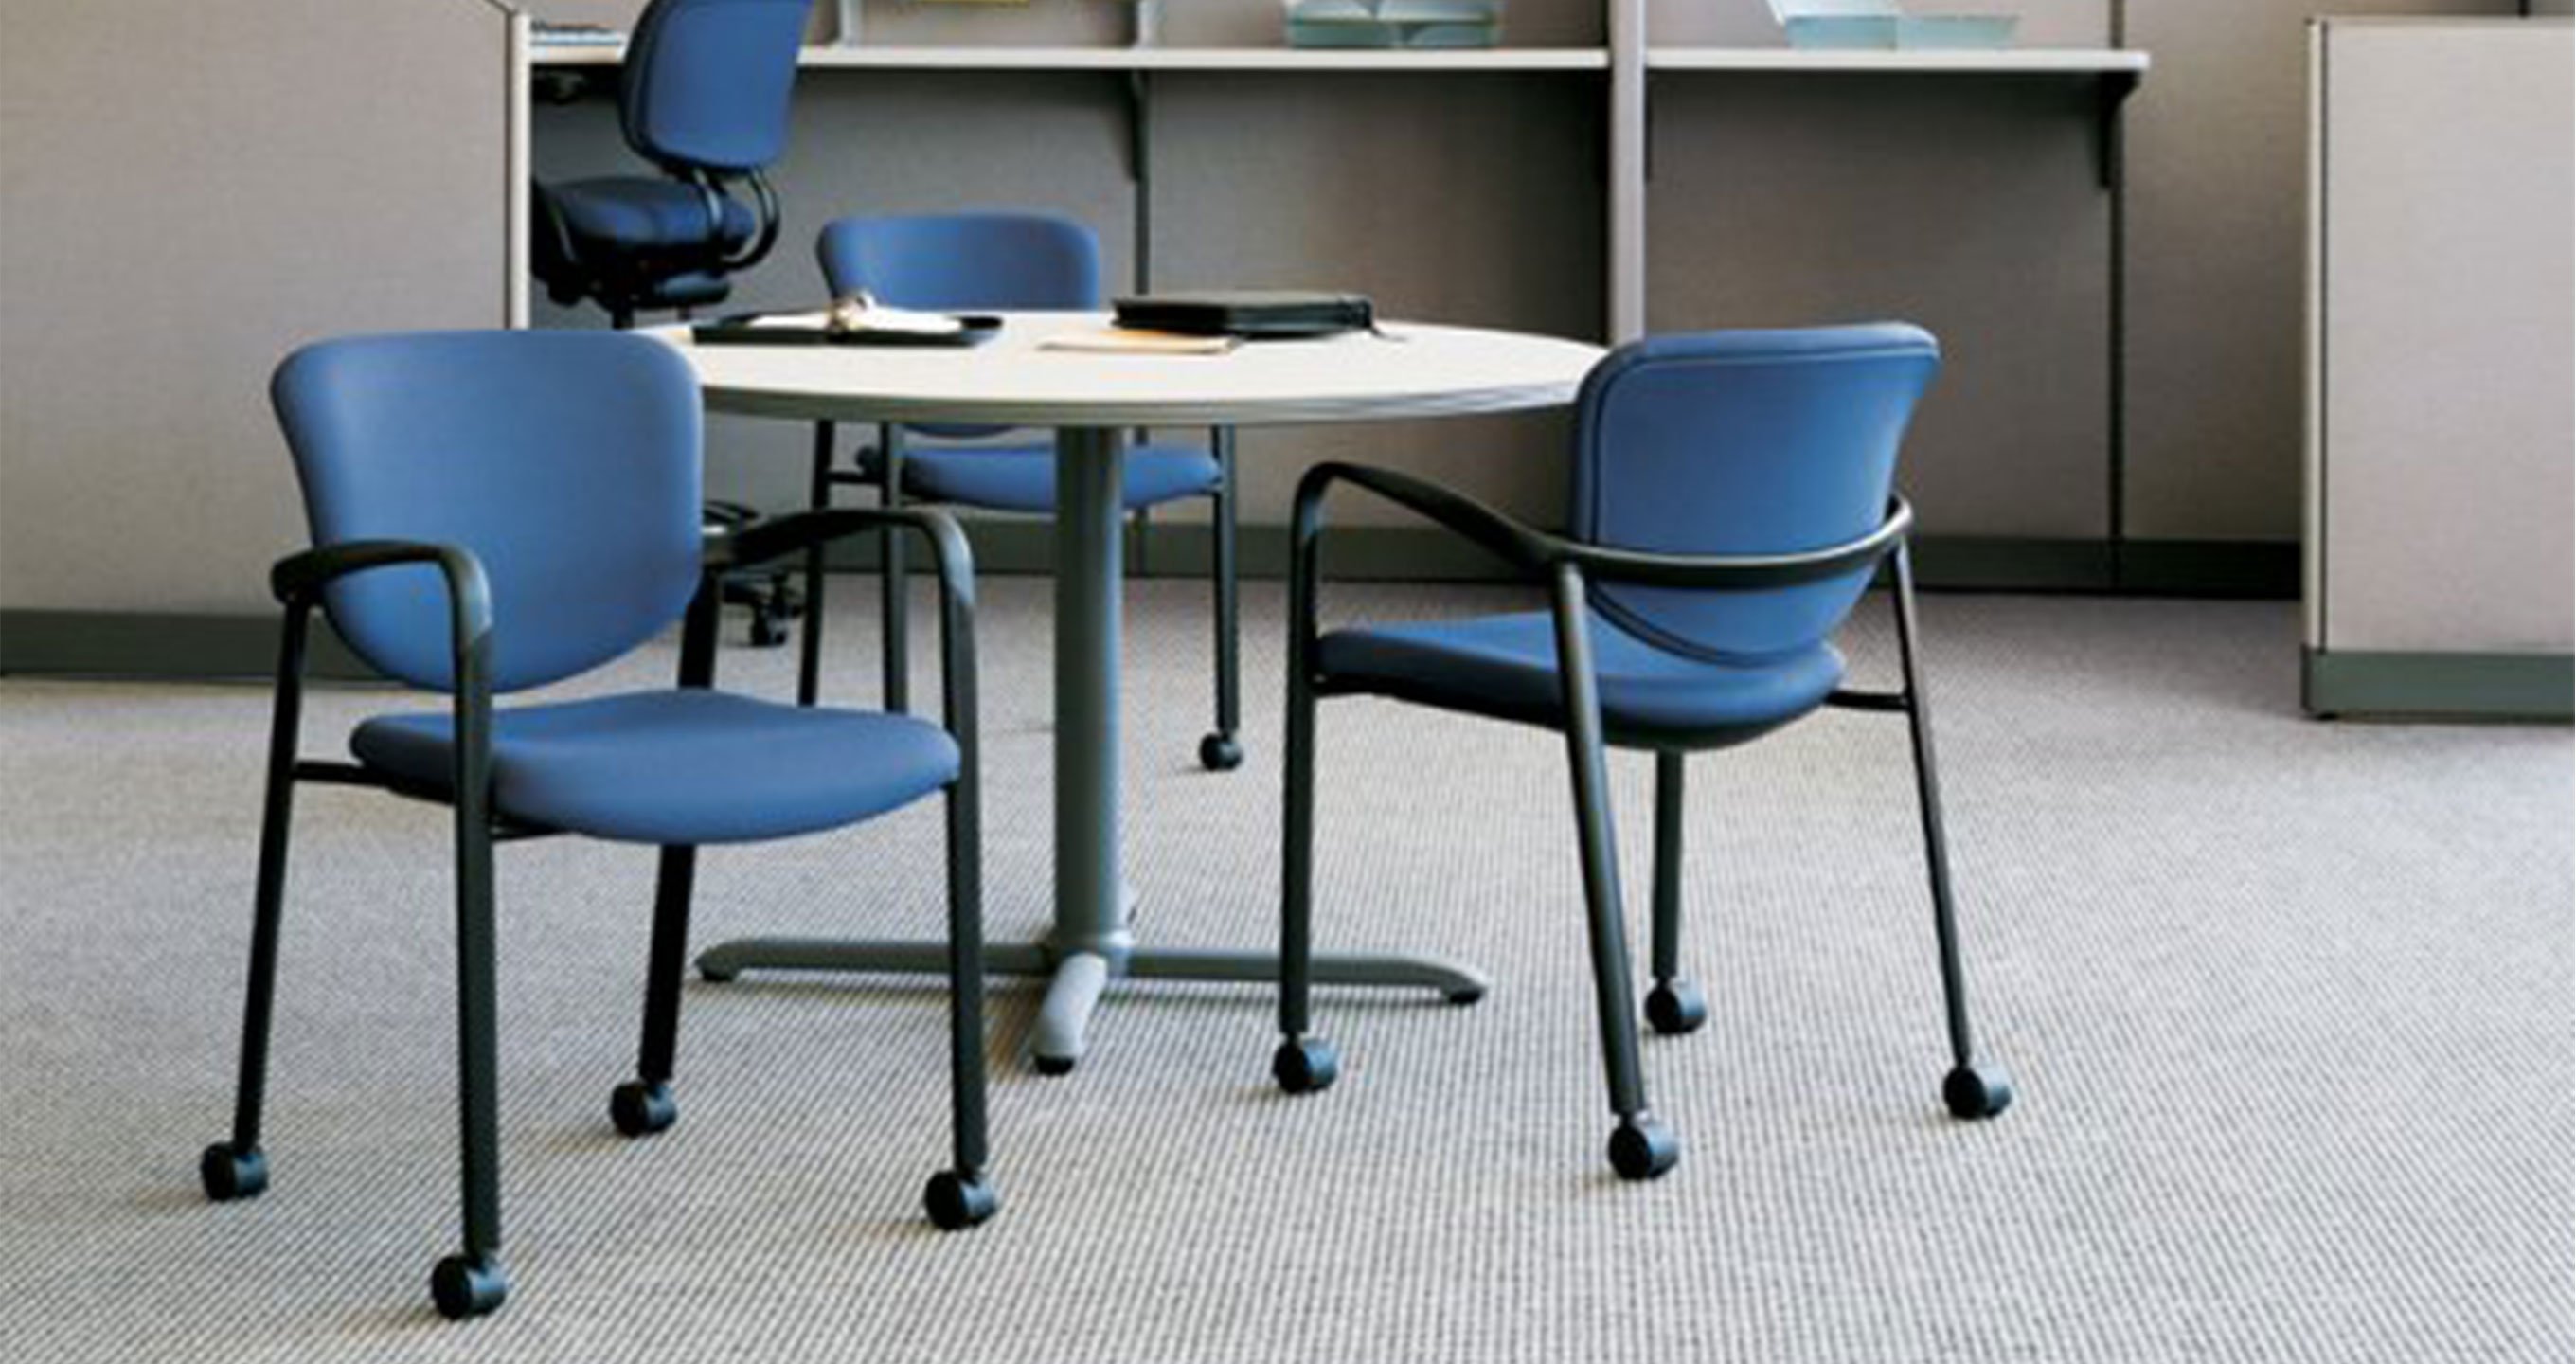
x: 1428, y: 371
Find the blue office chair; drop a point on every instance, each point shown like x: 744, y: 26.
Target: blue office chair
x: 1005, y: 261
x: 704, y: 97
x: 1731, y: 501
x: 493, y: 511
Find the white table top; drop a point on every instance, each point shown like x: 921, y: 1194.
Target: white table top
x: 1008, y: 381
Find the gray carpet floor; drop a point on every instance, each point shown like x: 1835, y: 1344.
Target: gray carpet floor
x: 2289, y: 1005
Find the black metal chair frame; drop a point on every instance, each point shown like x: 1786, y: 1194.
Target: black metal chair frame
x: 1220, y: 750
x: 1641, y: 1146
x: 475, y: 1281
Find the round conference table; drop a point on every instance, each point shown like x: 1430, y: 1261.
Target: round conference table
x: 1407, y: 370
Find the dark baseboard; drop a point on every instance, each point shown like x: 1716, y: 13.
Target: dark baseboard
x: 2444, y: 686
x: 214, y: 647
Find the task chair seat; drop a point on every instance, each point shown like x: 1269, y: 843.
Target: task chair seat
x: 1505, y: 667
x: 678, y: 767
x: 1022, y: 478
x: 628, y: 215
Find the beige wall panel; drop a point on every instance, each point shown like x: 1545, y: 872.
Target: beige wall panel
x: 1970, y: 205
x: 2449, y: 337
x: 1455, y: 198
x: 190, y: 188
x: 2216, y: 156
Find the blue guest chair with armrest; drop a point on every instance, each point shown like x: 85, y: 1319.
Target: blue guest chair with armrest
x: 494, y: 511
x: 1732, y: 498
x: 988, y: 262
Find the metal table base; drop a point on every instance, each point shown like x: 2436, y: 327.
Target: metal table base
x: 1091, y: 944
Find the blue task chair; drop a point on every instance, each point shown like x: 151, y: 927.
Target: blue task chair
x: 987, y: 262
x: 704, y: 97
x: 1731, y: 500
x: 493, y: 511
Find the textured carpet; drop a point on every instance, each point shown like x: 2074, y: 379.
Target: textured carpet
x: 2289, y: 1005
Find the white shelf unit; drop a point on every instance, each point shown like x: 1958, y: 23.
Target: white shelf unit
x: 1175, y: 97
x: 889, y: 58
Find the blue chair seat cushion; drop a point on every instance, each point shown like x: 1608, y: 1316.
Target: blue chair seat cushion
x: 636, y: 214
x: 1505, y: 667
x: 672, y: 767
x: 1021, y: 478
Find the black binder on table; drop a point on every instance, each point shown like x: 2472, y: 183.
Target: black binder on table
x: 1253, y: 314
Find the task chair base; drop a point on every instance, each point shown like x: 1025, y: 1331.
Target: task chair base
x: 466, y: 1286
x: 1676, y: 1008
x: 229, y: 1174
x: 1306, y: 1065
x: 1644, y: 1148
x: 1977, y: 1091
x: 640, y: 1109
x: 956, y: 1202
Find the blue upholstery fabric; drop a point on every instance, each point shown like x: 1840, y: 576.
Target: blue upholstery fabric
x: 1505, y: 667
x: 634, y: 214
x: 707, y: 82
x: 1746, y: 442
x: 965, y: 262
x: 1022, y: 478
x: 679, y: 767
x: 567, y: 462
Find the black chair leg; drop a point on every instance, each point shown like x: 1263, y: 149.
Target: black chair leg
x: 1641, y: 1147
x: 1675, y: 1006
x: 1972, y: 1089
x: 475, y: 1282
x: 238, y: 1168
x: 961, y: 1196
x: 1302, y: 1064
x: 643, y: 1106
x: 818, y: 496
x: 1221, y: 751
x: 896, y: 598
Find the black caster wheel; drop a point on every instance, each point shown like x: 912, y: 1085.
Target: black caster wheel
x: 766, y: 631
x: 465, y: 1287
x: 1977, y: 1091
x: 1643, y: 1148
x: 641, y: 1109
x: 1675, y: 1008
x: 229, y: 1174
x: 956, y: 1202
x: 1220, y: 753
x: 712, y: 976
x: 1053, y: 1065
x: 1306, y: 1065
x: 1465, y: 995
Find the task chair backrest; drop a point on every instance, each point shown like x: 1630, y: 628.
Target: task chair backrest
x: 1744, y: 442
x: 706, y: 82
x: 964, y: 261
x: 567, y: 462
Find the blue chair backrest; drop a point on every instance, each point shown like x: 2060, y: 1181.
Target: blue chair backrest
x: 707, y: 82
x: 567, y: 462
x: 1744, y: 442
x: 964, y: 261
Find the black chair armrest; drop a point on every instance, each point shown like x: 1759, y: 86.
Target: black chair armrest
x: 783, y: 535
x: 1741, y: 572
x: 300, y: 578
x: 1524, y: 548
x: 1535, y: 551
